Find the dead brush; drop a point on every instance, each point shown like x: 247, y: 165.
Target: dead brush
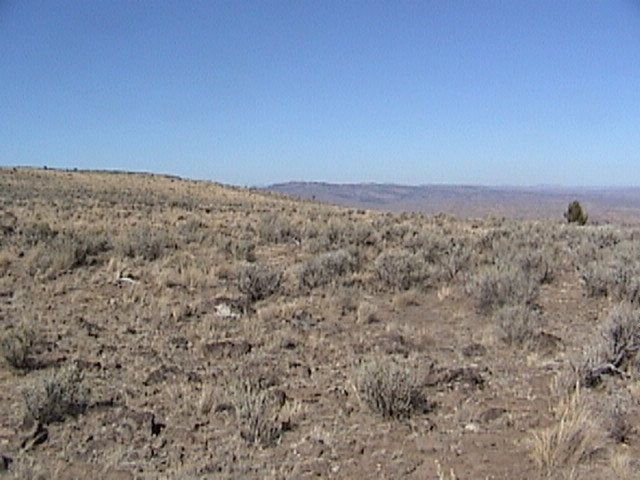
x: 617, y: 352
x: 391, y: 389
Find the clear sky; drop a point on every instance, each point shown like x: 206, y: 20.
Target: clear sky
x: 503, y: 92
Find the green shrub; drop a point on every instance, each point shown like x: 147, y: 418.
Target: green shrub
x: 575, y: 214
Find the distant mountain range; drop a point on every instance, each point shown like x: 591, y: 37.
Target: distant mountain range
x: 603, y: 205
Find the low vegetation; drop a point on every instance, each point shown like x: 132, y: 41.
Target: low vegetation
x: 391, y: 389
x: 17, y: 347
x: 57, y: 395
x: 221, y: 332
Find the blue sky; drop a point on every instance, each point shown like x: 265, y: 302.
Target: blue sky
x: 509, y: 92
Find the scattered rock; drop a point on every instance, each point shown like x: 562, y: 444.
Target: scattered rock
x: 224, y: 310
x: 227, y: 307
x: 472, y: 427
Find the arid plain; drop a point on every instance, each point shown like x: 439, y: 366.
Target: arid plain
x: 153, y: 327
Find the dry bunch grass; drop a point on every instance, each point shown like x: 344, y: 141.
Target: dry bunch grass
x: 573, y: 438
x: 259, y: 407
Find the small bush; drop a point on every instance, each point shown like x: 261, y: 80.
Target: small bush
x: 615, y: 273
x: 145, y: 242
x: 518, y: 323
x: 622, y: 335
x: 575, y: 214
x: 366, y: 313
x: 325, y: 268
x: 391, y: 389
x: 65, y: 251
x: 258, y: 282
x: 16, y: 348
x: 37, y: 233
x: 194, y: 231
x: 500, y: 285
x: 277, y: 229
x: 400, y: 269
x: 617, y: 351
x: 243, y: 249
x: 453, y: 259
x: 596, y: 278
x: 57, y: 395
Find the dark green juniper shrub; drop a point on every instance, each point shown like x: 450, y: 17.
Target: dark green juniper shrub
x: 575, y: 214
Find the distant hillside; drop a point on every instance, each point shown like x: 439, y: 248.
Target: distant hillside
x: 620, y: 205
